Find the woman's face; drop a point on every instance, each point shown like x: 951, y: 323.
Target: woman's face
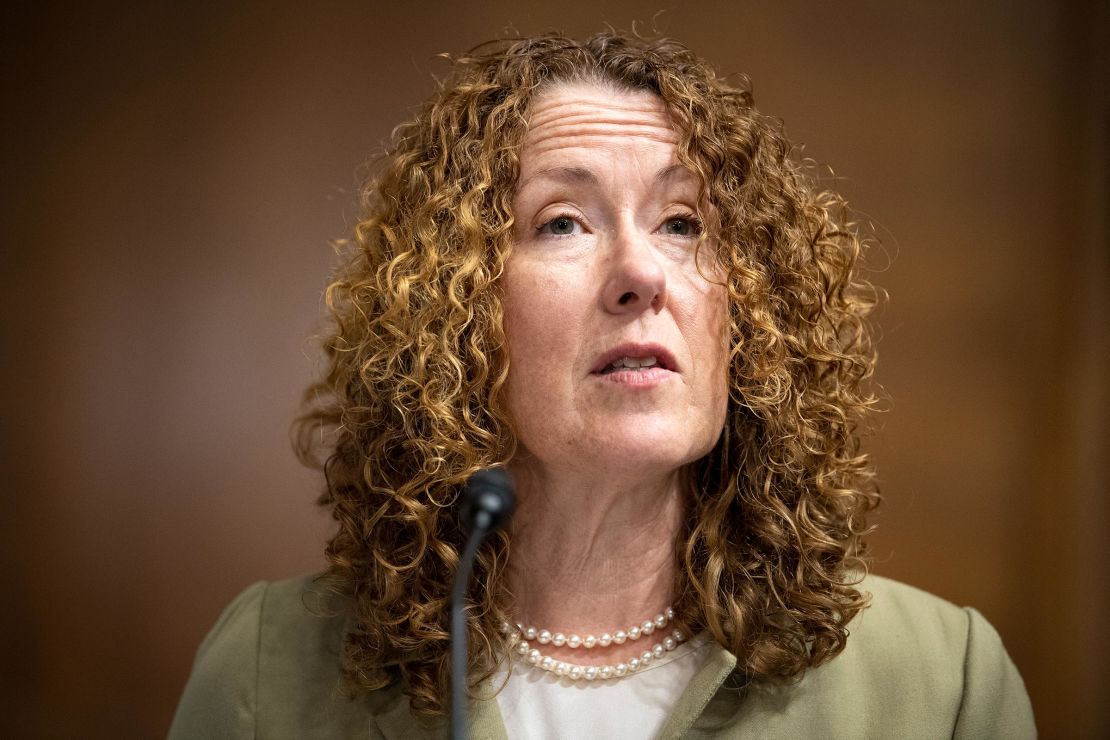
x: 617, y: 343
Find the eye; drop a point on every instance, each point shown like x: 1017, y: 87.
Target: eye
x: 683, y: 224
x: 561, y: 225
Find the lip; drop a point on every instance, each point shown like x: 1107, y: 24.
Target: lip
x: 663, y: 357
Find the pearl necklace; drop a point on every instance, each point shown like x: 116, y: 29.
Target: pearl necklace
x: 519, y: 642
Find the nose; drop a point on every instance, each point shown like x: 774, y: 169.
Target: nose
x: 636, y: 281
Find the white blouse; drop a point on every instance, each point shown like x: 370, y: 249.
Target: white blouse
x: 537, y: 704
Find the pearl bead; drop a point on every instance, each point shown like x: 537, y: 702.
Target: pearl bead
x: 519, y: 640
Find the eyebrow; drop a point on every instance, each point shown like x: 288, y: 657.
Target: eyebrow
x: 581, y: 175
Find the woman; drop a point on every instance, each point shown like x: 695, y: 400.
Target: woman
x: 596, y: 264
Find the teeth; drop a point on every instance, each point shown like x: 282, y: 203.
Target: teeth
x: 634, y: 363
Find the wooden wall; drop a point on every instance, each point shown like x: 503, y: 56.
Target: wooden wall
x: 175, y: 171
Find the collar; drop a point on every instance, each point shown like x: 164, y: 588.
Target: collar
x: 391, y: 716
x: 394, y: 721
x: 718, y: 666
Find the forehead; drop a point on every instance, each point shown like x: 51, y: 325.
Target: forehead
x: 585, y: 115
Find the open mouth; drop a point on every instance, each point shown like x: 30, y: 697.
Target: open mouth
x: 636, y: 358
x: 638, y: 364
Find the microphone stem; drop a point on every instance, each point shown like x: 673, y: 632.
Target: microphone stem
x: 459, y: 663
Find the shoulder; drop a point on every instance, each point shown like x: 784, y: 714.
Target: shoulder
x: 269, y: 667
x: 915, y: 641
x: 903, y: 620
x: 914, y: 666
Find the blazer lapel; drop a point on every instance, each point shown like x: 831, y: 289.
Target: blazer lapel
x: 718, y: 666
x: 392, y: 720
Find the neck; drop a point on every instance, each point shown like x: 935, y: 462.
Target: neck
x: 593, y: 553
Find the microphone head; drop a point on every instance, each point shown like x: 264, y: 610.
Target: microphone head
x: 488, y: 499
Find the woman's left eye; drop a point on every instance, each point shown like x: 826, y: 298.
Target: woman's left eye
x: 684, y: 225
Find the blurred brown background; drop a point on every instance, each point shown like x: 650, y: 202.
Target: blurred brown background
x: 174, y: 173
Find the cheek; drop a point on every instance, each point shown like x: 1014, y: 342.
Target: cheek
x: 715, y: 345
x: 527, y: 307
x: 706, y: 315
x: 538, y: 333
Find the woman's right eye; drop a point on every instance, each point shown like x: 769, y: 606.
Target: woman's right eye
x: 559, y: 226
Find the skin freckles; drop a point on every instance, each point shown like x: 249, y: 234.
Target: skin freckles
x: 602, y: 164
x: 604, y: 256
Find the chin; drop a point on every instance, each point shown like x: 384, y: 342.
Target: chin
x: 643, y: 452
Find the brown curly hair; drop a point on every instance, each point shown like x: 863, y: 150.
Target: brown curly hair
x: 413, y: 401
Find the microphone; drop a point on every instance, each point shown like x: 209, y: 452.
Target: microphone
x: 488, y: 502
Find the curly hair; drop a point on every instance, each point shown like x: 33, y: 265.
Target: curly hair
x: 413, y: 399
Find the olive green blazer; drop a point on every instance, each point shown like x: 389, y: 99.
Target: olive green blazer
x: 915, y: 666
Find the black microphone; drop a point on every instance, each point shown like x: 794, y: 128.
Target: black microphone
x: 487, y: 503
